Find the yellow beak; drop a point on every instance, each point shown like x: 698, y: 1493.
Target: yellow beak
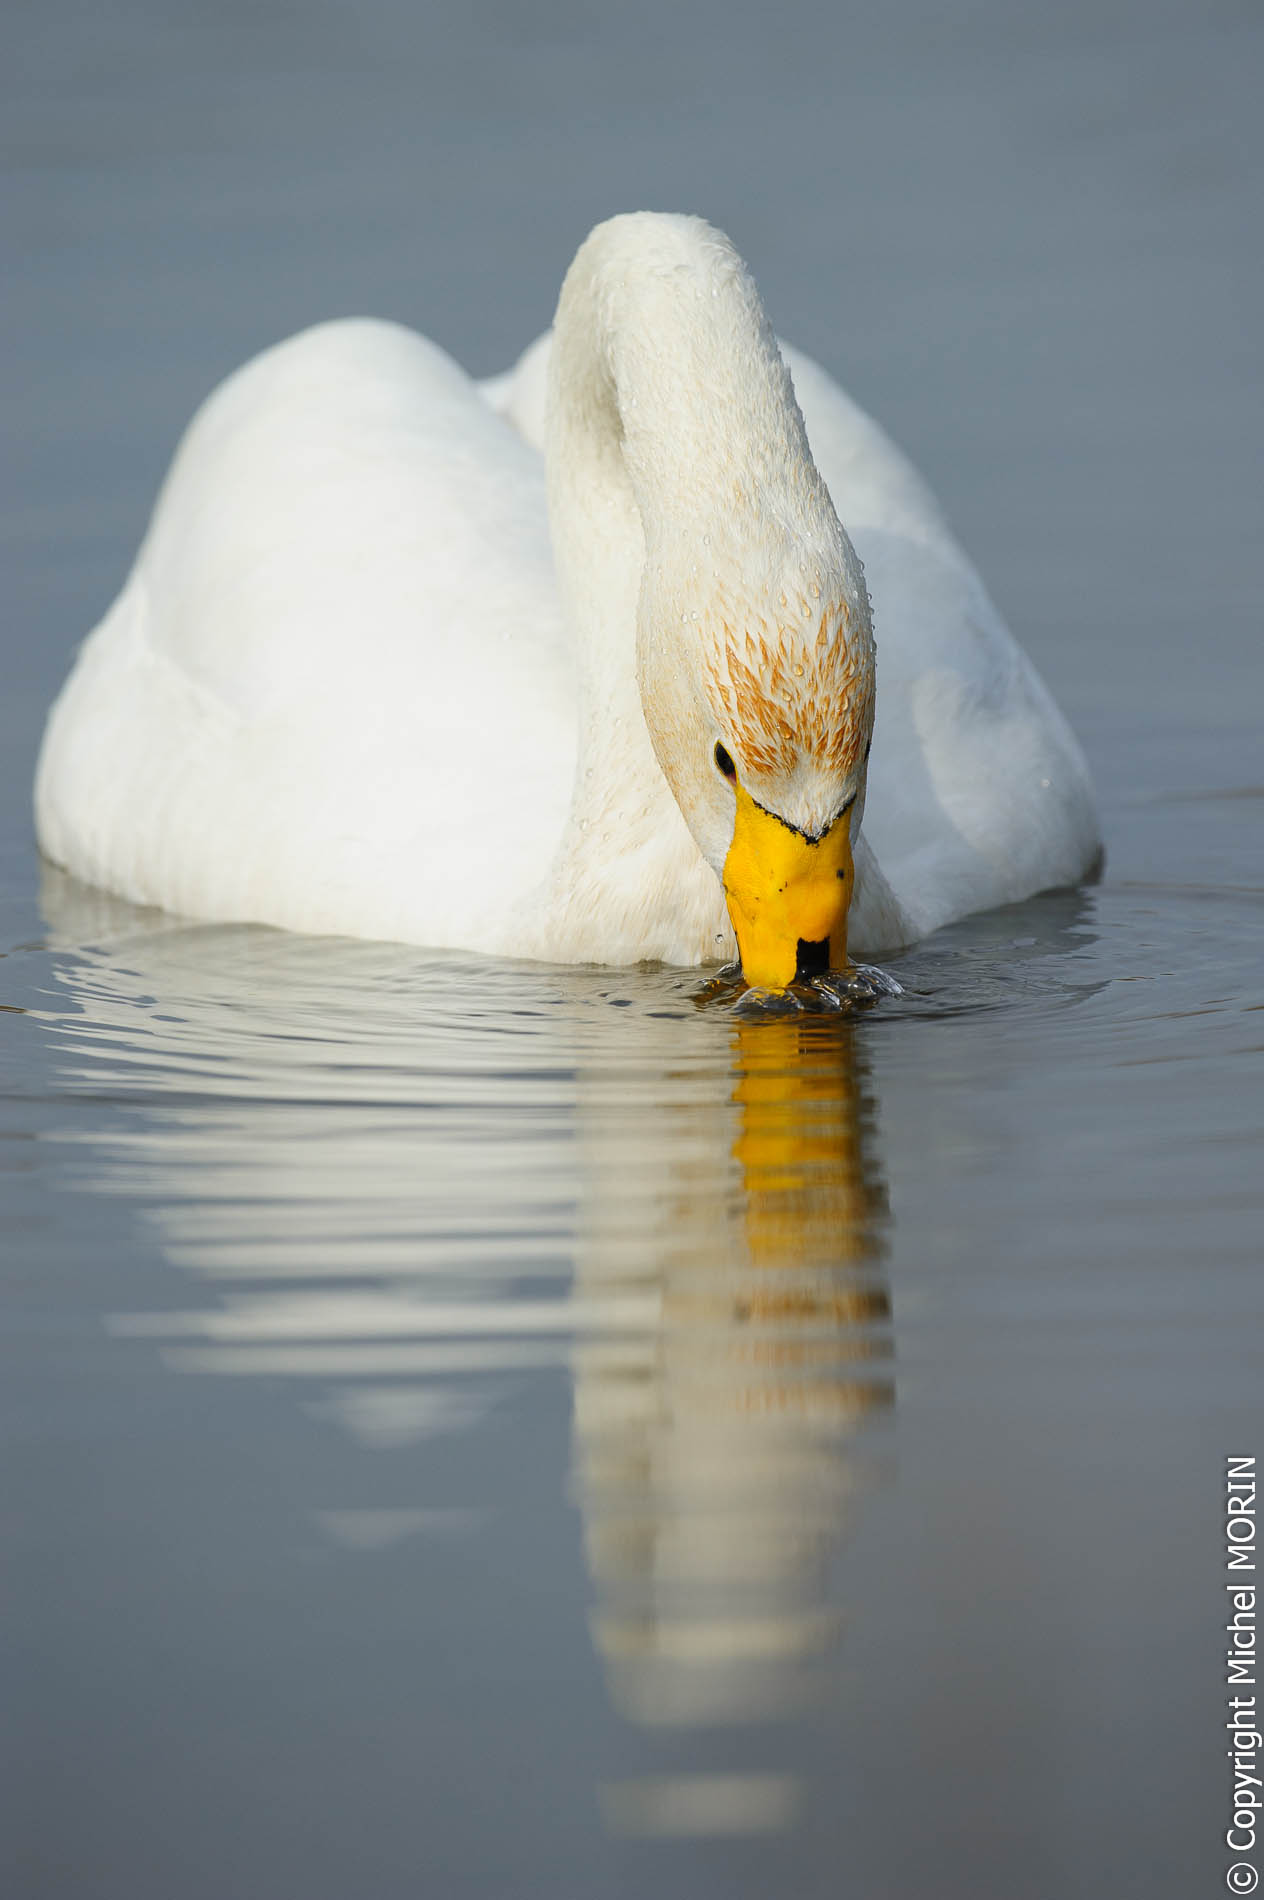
x: 787, y: 894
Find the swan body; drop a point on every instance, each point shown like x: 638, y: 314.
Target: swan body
x: 406, y: 657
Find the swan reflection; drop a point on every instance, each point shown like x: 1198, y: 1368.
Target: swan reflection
x: 405, y: 1177
x: 715, y: 1456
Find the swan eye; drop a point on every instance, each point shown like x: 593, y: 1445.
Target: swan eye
x: 724, y: 762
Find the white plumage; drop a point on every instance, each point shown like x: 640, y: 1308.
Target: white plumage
x: 341, y: 692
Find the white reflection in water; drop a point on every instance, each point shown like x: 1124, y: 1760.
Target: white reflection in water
x: 389, y: 1417
x: 409, y: 1176
x: 382, y: 1530
x: 713, y: 1454
x: 665, y: 1805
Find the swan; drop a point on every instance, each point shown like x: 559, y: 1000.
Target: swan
x: 579, y: 664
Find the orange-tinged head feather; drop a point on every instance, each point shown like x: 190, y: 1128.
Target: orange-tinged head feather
x: 792, y: 698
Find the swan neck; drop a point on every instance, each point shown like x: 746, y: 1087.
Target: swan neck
x: 669, y: 394
x: 679, y: 478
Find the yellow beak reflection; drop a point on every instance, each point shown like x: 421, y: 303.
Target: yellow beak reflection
x: 787, y: 895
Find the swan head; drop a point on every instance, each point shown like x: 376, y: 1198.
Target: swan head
x: 757, y: 683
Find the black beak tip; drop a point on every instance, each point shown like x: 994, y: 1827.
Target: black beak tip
x: 812, y: 959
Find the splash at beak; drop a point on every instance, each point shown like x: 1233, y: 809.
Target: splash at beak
x: 787, y: 895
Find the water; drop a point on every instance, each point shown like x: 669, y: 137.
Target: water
x: 480, y: 1428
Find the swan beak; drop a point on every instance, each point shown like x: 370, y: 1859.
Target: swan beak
x: 787, y: 895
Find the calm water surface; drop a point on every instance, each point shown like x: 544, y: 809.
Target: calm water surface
x: 481, y: 1428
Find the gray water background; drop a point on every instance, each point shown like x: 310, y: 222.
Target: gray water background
x: 472, y: 1428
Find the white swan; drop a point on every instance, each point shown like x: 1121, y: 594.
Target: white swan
x: 352, y: 685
